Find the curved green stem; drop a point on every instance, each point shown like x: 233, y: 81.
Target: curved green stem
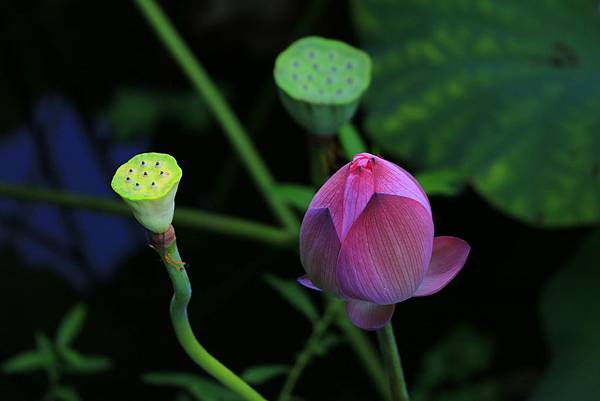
x: 310, y: 348
x: 185, y: 335
x: 184, y: 217
x: 218, y: 105
x: 389, y: 350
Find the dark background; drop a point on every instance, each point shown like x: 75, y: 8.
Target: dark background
x: 85, y: 52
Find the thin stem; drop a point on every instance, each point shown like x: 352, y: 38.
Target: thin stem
x: 351, y: 141
x: 184, y: 217
x: 389, y: 350
x: 185, y: 335
x: 309, y: 349
x: 366, y: 353
x: 219, y: 106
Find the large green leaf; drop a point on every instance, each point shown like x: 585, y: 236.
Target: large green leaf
x: 506, y: 91
x: 571, y: 315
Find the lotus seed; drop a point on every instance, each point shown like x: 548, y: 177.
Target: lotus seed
x: 145, y: 173
x: 330, y: 56
x: 310, y: 78
x: 131, y: 170
x: 162, y: 173
x: 137, y: 184
x: 157, y: 164
x: 349, y: 80
x: 153, y: 184
x: 333, y: 69
x: 329, y: 80
x: 295, y: 77
x: 128, y: 179
x: 349, y: 66
x: 316, y: 66
x: 296, y: 64
x: 338, y: 92
x: 143, y: 163
x: 311, y: 54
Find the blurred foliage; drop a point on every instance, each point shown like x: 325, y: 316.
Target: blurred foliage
x: 295, y: 195
x: 199, y: 388
x: 294, y: 293
x: 507, y: 92
x: 571, y: 316
x: 453, y: 369
x: 134, y: 111
x: 58, y: 358
x: 447, y: 182
x: 260, y: 374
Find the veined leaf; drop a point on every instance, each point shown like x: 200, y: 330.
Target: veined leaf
x: 292, y: 292
x: 506, y: 91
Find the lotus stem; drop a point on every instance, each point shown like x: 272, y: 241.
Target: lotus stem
x: 166, y: 246
x: 391, y: 356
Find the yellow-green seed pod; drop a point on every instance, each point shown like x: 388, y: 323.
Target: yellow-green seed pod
x: 321, y: 82
x: 148, y: 183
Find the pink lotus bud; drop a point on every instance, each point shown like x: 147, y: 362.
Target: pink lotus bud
x: 367, y: 238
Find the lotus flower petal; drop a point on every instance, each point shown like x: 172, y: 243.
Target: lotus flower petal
x: 367, y: 315
x: 357, y: 192
x: 386, y: 253
x: 449, y: 256
x: 307, y: 282
x: 393, y: 180
x: 331, y: 196
x: 319, y: 248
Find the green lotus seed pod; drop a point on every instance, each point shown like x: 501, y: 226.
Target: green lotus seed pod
x: 321, y: 81
x: 148, y: 183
